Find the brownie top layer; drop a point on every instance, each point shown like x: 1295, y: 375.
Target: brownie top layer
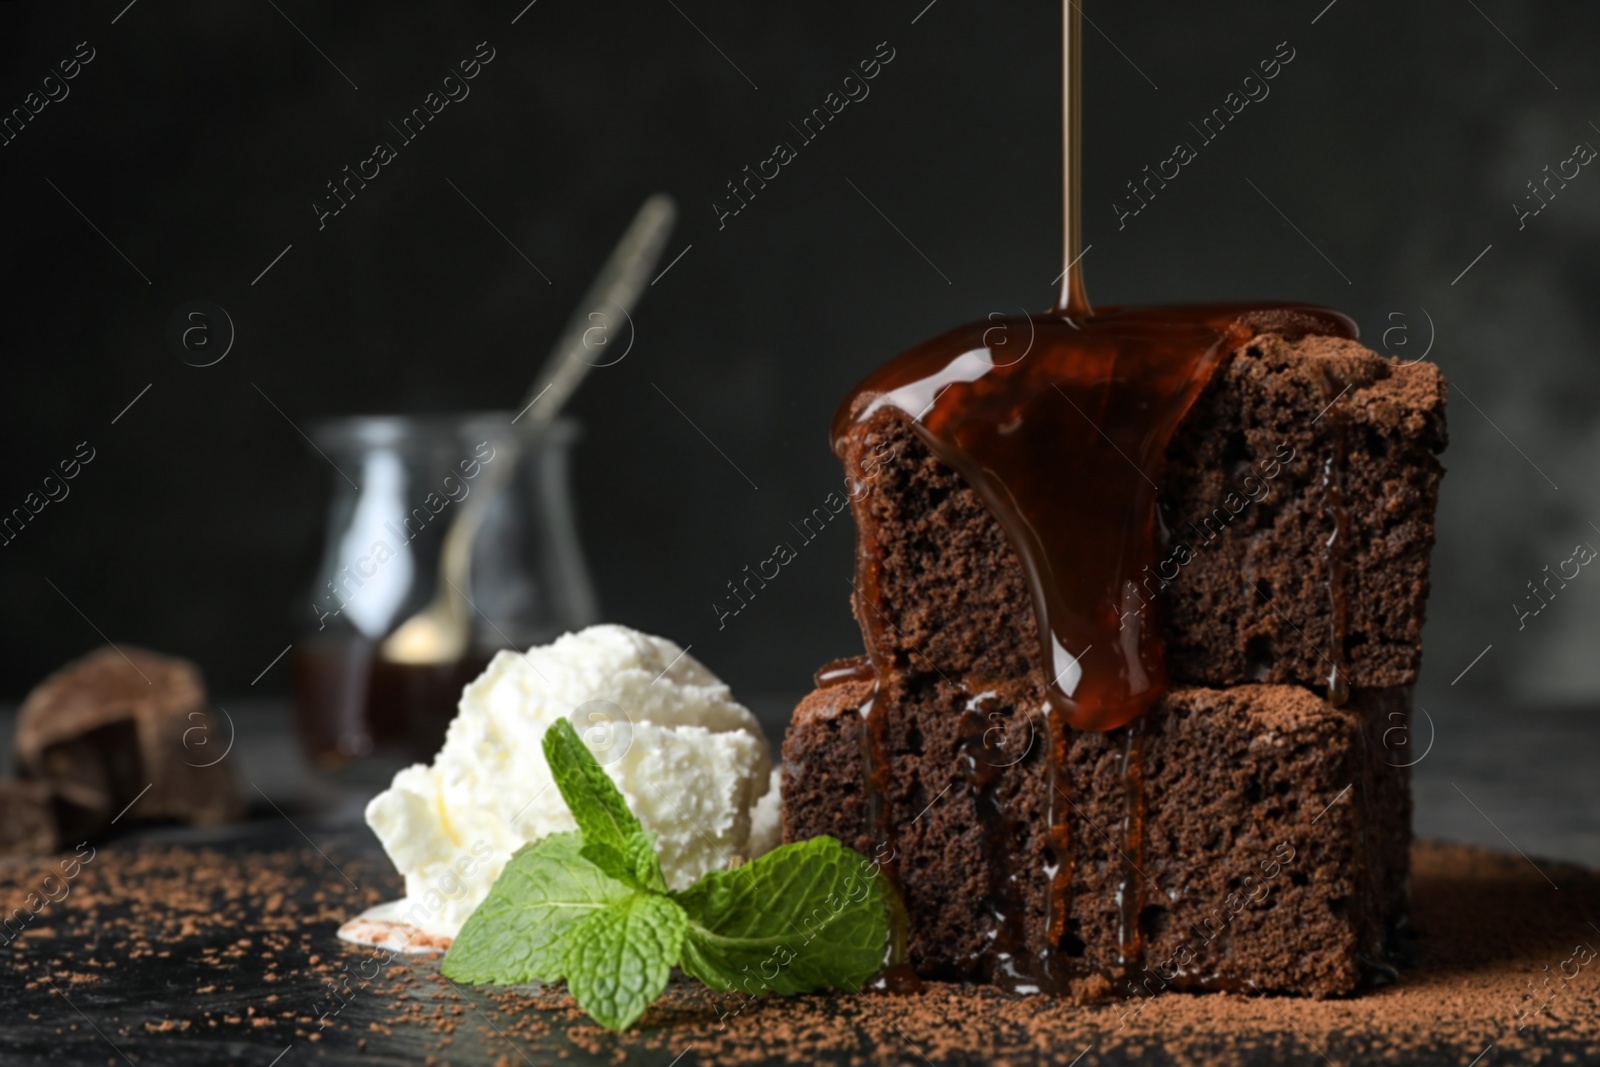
x: 1294, y: 444
x: 1062, y: 437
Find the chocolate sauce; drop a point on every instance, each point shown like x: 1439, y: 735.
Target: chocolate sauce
x: 840, y: 671
x: 899, y: 978
x: 1065, y: 444
x: 1130, y: 893
x: 881, y: 843
x: 1061, y: 947
x: 989, y: 745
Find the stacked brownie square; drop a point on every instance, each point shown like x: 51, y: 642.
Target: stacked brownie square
x: 1252, y: 830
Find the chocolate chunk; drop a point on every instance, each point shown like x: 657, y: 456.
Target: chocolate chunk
x: 130, y: 727
x: 27, y: 819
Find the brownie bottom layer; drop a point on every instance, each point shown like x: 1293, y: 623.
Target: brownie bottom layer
x: 1253, y: 837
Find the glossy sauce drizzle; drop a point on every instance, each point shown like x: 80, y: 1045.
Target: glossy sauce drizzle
x: 990, y: 742
x: 1131, y: 893
x: 840, y: 671
x: 1060, y: 424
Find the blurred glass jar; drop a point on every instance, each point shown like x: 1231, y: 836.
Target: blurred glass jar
x: 361, y: 712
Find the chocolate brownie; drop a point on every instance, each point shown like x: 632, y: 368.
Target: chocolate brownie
x: 1297, y: 509
x: 1263, y: 841
x: 1214, y: 516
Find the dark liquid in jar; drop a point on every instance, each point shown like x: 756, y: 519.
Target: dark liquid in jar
x: 351, y: 705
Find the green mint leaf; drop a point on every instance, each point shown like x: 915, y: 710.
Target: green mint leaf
x: 612, y: 861
x: 641, y: 852
x: 618, y: 960
x: 521, y: 930
x: 591, y: 796
x: 804, y: 916
x: 636, y: 863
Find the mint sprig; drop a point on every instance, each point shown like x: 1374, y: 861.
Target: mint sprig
x: 593, y: 908
x: 802, y: 917
x: 601, y: 812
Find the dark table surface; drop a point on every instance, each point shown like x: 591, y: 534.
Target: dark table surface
x: 1516, y: 784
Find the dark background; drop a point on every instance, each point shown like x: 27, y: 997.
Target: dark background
x: 200, y: 135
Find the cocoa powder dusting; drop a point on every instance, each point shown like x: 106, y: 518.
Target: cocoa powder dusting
x: 1496, y: 948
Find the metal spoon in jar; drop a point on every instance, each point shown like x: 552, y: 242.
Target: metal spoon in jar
x: 440, y: 633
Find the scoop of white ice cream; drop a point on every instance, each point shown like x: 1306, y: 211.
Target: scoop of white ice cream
x: 692, y: 764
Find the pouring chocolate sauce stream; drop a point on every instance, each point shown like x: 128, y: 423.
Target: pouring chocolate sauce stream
x: 1065, y: 446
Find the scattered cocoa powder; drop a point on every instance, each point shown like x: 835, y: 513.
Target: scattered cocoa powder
x: 1486, y: 925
